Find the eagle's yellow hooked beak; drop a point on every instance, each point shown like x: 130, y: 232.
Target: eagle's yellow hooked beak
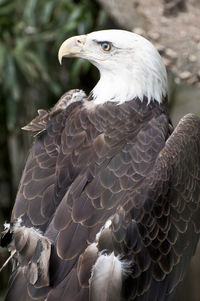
x: 72, y: 47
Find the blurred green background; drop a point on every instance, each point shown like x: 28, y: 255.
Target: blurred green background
x: 31, y: 78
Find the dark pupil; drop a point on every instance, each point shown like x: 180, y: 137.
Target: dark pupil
x: 106, y: 46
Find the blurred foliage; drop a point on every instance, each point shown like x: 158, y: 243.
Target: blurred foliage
x: 31, y: 32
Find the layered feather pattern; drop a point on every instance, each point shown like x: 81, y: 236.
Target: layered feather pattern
x: 116, y: 163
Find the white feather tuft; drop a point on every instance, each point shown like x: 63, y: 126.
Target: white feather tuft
x: 6, y: 226
x: 106, y: 278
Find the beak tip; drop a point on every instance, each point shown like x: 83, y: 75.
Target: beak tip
x: 60, y: 57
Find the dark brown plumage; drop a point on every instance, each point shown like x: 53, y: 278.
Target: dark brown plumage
x: 117, y: 162
x: 108, y: 204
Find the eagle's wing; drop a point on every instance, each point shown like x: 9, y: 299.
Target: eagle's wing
x: 36, y: 199
x: 164, y: 230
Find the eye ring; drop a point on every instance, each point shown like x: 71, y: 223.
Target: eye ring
x: 106, y: 46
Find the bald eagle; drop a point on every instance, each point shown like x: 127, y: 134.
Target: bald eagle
x: 108, y: 204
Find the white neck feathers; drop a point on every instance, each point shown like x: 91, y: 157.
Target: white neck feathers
x: 130, y: 82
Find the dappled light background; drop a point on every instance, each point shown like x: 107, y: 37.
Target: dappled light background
x: 31, y: 78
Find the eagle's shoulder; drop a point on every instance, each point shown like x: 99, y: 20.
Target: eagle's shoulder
x: 39, y: 123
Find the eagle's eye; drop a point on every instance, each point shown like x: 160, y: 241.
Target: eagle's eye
x: 106, y: 46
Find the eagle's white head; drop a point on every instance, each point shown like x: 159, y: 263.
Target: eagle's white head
x: 129, y: 65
